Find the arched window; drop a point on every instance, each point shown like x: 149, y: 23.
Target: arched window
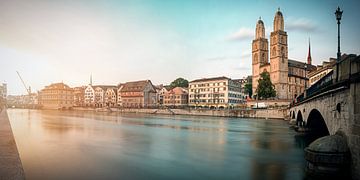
x: 256, y: 58
x: 274, y: 51
x: 282, y: 54
x: 263, y: 57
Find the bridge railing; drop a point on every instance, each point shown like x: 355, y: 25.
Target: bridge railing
x: 319, y: 86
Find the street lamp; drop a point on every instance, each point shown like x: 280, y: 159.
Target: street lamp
x: 338, y: 14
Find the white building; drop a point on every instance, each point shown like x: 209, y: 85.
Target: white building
x: 119, y: 99
x: 217, y: 92
x: 89, y: 96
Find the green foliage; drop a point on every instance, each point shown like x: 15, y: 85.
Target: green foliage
x: 265, y: 88
x: 248, y: 89
x: 179, y: 82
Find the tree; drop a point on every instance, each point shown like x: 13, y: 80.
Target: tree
x: 179, y: 82
x: 248, y: 89
x: 265, y: 88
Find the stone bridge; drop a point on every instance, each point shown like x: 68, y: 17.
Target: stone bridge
x: 328, y: 107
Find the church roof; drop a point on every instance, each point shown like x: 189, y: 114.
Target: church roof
x: 299, y: 64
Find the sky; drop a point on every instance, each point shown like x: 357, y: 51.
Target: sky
x: 161, y: 40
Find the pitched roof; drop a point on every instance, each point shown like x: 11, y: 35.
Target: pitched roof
x: 104, y: 87
x: 210, y: 79
x: 178, y: 90
x: 135, y: 86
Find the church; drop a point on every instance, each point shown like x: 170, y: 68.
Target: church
x: 288, y: 76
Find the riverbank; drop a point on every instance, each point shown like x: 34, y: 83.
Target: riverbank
x: 241, y: 113
x: 10, y: 163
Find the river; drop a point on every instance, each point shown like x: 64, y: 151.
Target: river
x: 90, y: 145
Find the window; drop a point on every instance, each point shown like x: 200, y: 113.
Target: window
x: 274, y: 51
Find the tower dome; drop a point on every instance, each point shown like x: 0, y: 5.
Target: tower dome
x: 260, y: 29
x: 279, y: 21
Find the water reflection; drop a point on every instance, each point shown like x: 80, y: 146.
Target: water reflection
x: 90, y: 145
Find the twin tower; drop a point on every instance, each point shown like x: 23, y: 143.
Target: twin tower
x: 278, y: 65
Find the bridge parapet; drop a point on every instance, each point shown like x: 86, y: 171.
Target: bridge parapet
x: 335, y: 106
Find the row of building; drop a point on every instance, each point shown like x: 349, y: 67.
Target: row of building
x: 218, y: 92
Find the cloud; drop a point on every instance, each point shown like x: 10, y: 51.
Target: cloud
x: 300, y: 24
x: 241, y: 34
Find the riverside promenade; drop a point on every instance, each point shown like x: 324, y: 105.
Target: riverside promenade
x: 10, y: 163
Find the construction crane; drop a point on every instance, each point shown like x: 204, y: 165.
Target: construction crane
x: 27, y: 89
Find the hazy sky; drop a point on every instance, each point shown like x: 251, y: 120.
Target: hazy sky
x: 119, y: 41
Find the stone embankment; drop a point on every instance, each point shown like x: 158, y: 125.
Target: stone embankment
x: 243, y: 113
x: 10, y: 163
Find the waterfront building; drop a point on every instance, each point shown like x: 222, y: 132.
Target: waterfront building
x: 243, y: 81
x: 288, y: 76
x: 217, y: 92
x: 119, y: 99
x: 321, y: 71
x: 89, y: 97
x: 111, y: 96
x: 160, y: 92
x: 176, y: 97
x: 99, y: 95
x: 79, y: 96
x: 56, y: 96
x: 138, y: 94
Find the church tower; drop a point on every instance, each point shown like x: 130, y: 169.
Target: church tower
x: 259, y: 53
x: 279, y: 57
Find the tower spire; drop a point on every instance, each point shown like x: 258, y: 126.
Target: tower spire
x: 309, y: 55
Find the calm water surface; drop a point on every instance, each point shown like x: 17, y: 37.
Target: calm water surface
x: 89, y: 145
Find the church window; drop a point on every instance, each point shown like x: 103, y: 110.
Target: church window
x: 274, y: 51
x: 263, y: 57
x: 282, y: 54
x: 256, y: 58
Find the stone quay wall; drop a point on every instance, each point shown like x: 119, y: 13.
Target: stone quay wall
x: 10, y: 163
x: 244, y: 113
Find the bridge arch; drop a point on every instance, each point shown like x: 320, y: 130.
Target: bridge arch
x: 293, y: 115
x: 299, y: 118
x: 317, y: 124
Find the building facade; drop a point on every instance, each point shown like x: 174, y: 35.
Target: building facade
x: 160, y: 93
x: 79, y: 96
x: 111, y: 97
x: 138, y: 94
x: 119, y: 99
x: 176, y: 97
x: 321, y: 71
x: 56, y: 96
x: 99, y: 95
x: 217, y: 92
x: 285, y: 74
x: 89, y: 97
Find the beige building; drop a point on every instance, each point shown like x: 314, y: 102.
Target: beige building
x: 288, y: 76
x: 321, y: 71
x: 217, y: 92
x: 138, y: 94
x: 79, y: 95
x: 56, y: 96
x: 160, y: 93
x: 176, y: 97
